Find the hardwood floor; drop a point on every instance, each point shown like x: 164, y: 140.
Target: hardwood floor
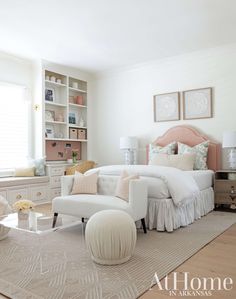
x: 217, y: 259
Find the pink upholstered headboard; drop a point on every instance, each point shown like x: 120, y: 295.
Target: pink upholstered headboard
x: 191, y: 137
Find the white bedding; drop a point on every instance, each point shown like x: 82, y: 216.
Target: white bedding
x: 163, y: 213
x: 203, y: 178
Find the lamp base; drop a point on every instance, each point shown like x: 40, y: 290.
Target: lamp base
x: 232, y: 159
x: 130, y: 157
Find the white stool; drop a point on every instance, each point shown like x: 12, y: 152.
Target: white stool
x: 111, y: 237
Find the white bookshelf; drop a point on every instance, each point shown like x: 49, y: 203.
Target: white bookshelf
x: 65, y: 108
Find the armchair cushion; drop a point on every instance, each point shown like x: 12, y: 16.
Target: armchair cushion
x: 85, y: 184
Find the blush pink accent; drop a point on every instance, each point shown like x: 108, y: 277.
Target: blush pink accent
x: 191, y: 137
x: 59, y: 150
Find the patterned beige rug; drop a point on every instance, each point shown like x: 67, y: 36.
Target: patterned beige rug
x: 70, y: 273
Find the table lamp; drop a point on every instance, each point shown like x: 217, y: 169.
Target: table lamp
x: 129, y: 145
x: 229, y: 141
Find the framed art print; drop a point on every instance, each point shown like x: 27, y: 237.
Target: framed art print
x: 166, y: 106
x: 197, y: 103
x: 49, y: 95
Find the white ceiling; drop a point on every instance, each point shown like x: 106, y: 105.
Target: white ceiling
x: 97, y: 35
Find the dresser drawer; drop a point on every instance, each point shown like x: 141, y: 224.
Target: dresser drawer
x: 39, y: 193
x: 55, y: 181
x: 56, y: 170
x: 17, y: 194
x: 224, y: 198
x: 55, y: 192
x: 224, y: 185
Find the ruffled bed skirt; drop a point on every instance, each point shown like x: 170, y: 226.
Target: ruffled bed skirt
x: 164, y: 215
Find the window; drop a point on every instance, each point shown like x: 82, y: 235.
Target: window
x: 14, y: 126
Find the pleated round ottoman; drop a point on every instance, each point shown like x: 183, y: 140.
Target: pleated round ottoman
x: 111, y: 237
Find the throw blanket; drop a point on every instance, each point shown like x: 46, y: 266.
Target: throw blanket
x: 181, y: 185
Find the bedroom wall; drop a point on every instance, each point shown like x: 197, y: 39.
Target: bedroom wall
x: 15, y: 70
x: 123, y: 100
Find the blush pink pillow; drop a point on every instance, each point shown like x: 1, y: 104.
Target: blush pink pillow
x: 122, y: 188
x: 85, y: 184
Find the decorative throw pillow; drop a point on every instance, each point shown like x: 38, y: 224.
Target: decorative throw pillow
x: 200, y: 150
x: 157, y: 149
x: 40, y: 166
x: 85, y: 184
x: 24, y: 172
x: 183, y: 162
x: 122, y: 188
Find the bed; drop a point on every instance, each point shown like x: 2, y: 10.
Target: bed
x: 176, y: 198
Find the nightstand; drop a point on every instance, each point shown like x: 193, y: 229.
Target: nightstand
x: 225, y: 188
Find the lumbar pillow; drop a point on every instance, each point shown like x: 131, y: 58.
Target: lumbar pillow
x: 85, y: 184
x: 200, y: 150
x: 183, y: 162
x: 122, y: 188
x: 24, y: 172
x: 157, y: 149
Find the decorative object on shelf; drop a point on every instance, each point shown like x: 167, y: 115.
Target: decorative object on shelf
x: 53, y: 78
x: 58, y: 80
x: 49, y: 132
x: 72, y: 118
x: 47, y: 78
x: 81, y: 134
x: 73, y: 133
x: 74, y: 156
x: 197, y: 103
x: 166, y: 107
x: 81, y: 121
x: 49, y: 94
x: 79, y: 100
x: 129, y: 145
x: 71, y: 99
x: 75, y: 85
x: 229, y: 141
x: 49, y: 115
x: 59, y: 117
x: 23, y: 207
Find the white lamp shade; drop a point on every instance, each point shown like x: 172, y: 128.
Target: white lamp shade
x: 229, y: 139
x: 128, y: 142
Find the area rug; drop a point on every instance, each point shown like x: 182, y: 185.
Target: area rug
x: 70, y: 273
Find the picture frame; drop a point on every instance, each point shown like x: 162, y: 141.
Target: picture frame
x: 49, y: 94
x: 72, y: 118
x: 166, y: 107
x: 197, y: 103
x: 49, y: 115
x: 49, y: 132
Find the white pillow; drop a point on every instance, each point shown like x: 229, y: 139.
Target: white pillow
x: 122, y: 188
x: 85, y: 184
x: 157, y: 149
x: 183, y: 162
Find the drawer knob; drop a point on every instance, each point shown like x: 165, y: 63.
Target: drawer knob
x: 39, y: 193
x: 18, y: 196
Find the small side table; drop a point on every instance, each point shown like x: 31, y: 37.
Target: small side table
x: 225, y: 188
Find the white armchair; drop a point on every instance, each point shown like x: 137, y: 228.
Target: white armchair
x: 85, y: 205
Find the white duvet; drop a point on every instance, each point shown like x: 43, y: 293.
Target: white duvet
x: 181, y: 186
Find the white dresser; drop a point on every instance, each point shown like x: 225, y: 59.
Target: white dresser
x: 55, y: 171
x: 32, y: 188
